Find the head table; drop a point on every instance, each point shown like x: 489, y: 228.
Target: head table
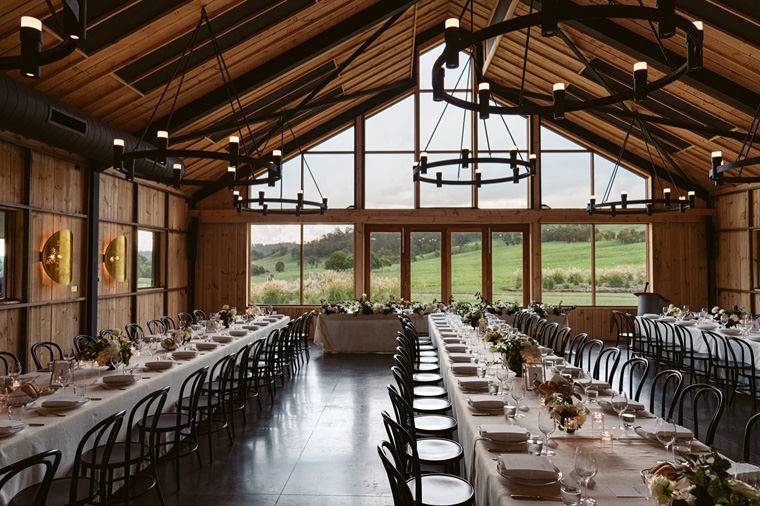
x: 361, y: 333
x: 619, y: 462
x: 64, y: 430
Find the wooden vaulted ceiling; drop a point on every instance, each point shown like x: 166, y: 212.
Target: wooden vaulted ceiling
x: 278, y: 52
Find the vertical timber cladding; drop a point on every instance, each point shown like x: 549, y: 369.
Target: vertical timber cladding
x: 735, y: 247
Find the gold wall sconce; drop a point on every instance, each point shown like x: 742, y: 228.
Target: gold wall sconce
x: 115, y: 258
x: 56, y: 256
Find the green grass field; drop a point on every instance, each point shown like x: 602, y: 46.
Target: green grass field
x: 507, y: 271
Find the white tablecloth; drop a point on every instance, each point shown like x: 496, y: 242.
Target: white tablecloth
x: 360, y: 333
x: 620, y: 465
x: 65, y: 432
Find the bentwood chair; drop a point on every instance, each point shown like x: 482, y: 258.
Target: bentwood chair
x: 583, y: 358
x: 211, y: 408
x: 418, y: 391
x: 747, y: 446
x: 48, y: 461
x: 10, y: 362
x: 79, y: 489
x: 632, y: 376
x: 80, y: 340
x: 574, y: 346
x: 44, y: 353
x: 560, y: 340
x: 425, y: 405
x: 606, y: 364
x: 156, y: 327
x: 431, y: 451
x: 199, y: 315
x: 139, y: 449
x: 185, y: 318
x: 745, y: 369
x: 168, y: 323
x: 135, y: 332
x: 666, y: 386
x: 707, y: 403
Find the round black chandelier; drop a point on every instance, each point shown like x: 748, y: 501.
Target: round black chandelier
x: 719, y: 170
x: 520, y: 169
x: 302, y: 206
x: 71, y: 22
x: 552, y: 13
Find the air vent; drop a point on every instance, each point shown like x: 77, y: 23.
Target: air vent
x: 67, y: 121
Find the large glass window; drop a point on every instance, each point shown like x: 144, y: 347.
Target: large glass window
x: 385, y: 265
x: 3, y: 255
x: 425, y: 266
x: 507, y: 266
x: 328, y: 263
x: 565, y: 179
x: 275, y: 264
x: 148, y: 258
x: 619, y: 260
x: 466, y: 265
x: 388, y: 181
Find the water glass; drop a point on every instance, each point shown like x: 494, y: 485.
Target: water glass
x: 510, y: 411
x: 535, y: 445
x: 570, y: 494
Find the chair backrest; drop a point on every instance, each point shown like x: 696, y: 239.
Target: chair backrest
x: 403, y: 411
x: 547, y: 334
x: 101, y: 435
x: 587, y: 349
x: 80, y: 340
x: 698, y: 395
x: 106, y: 332
x: 667, y: 385
x: 404, y: 388
x: 617, y: 324
x: 10, y: 362
x: 606, y: 362
x: 559, y: 341
x: 307, y: 327
x: 45, y: 352
x: 156, y: 327
x: 199, y: 315
x: 145, y: 413
x: 168, y: 322
x: 635, y: 371
x: 135, y: 332
x: 48, y: 460
x: 185, y: 318
x: 747, y: 446
x: 402, y: 496
x: 405, y: 447
x: 574, y: 346
x: 189, y: 395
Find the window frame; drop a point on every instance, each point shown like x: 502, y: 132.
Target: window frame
x: 6, y: 275
x: 157, y: 260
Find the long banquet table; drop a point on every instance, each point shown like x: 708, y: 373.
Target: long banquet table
x: 361, y: 333
x: 64, y: 432
x: 619, y: 465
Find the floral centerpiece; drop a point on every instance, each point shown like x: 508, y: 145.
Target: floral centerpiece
x: 732, y: 315
x: 702, y: 481
x: 516, y: 351
x: 425, y: 308
x: 492, y: 335
x: 108, y: 349
x: 473, y: 316
x: 226, y: 315
x: 253, y: 311
x: 544, y: 310
x: 184, y: 333
x: 673, y: 311
x: 560, y: 398
x: 333, y: 307
x: 503, y: 308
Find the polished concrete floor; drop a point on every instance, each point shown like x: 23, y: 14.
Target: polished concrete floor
x: 317, y: 443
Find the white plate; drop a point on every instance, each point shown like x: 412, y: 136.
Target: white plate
x: 219, y: 338
x: 159, y: 365
x: 668, y: 319
x: 238, y: 333
x: 10, y: 427
x: 204, y: 346
x: 184, y: 355
x: 731, y: 332
x: 119, y: 379
x: 63, y: 402
x: 707, y: 326
x: 650, y: 316
x: 686, y: 323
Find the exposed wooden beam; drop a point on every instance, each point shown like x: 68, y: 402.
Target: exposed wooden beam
x: 288, y: 60
x: 504, y: 10
x: 724, y: 19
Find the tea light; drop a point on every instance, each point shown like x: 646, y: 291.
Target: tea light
x: 570, y: 424
x: 82, y: 363
x: 606, y: 439
x: 542, y: 402
x: 597, y: 417
x: 95, y: 363
x: 16, y: 384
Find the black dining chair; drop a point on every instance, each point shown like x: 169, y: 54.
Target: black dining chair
x: 747, y: 453
x: 156, y: 327
x: 583, y: 358
x: 253, y: 372
x: 423, y: 405
x: 185, y: 318
x: 135, y: 332
x: 665, y: 388
x: 745, y: 369
x: 560, y: 340
x: 48, y: 462
x: 45, y: 352
x: 423, y: 425
x: 707, y: 403
x: 632, y: 376
x: 79, y: 489
x: 82, y: 340
x: 169, y: 323
x: 574, y: 347
x: 606, y: 364
x: 199, y: 315
x: 138, y: 452
x: 211, y: 409
x: 9, y: 362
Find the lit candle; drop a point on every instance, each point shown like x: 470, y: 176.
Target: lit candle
x: 570, y: 424
x: 597, y: 416
x: 16, y: 384
x: 606, y: 438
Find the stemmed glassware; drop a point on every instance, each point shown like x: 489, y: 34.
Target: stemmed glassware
x: 517, y: 391
x: 619, y: 402
x: 547, y: 425
x: 586, y: 468
x: 665, y: 430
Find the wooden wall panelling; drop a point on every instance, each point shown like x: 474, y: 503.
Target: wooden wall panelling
x: 59, y: 323
x: 58, y: 184
x: 679, y: 262
x: 177, y: 265
x: 107, y: 285
x: 10, y: 328
x: 595, y: 321
x: 152, y: 209
x: 177, y: 302
x: 116, y: 198
x: 732, y: 269
x: 221, y: 269
x: 114, y: 313
x: 731, y: 211
x: 149, y: 306
x: 11, y: 173
x: 178, y: 209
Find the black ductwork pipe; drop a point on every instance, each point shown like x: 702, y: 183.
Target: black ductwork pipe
x: 33, y: 114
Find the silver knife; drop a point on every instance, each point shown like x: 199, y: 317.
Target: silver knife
x: 534, y: 497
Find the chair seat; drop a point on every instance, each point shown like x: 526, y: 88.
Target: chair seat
x: 443, y: 490
x: 426, y: 377
x: 429, y: 391
x: 436, y: 450
x: 118, y: 454
x: 57, y: 496
x: 428, y: 354
x: 435, y: 424
x: 168, y: 422
x: 426, y: 367
x: 427, y: 347
x: 431, y: 405
x: 429, y: 360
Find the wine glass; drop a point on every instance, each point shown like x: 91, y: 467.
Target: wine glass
x: 547, y: 425
x: 665, y: 430
x: 517, y: 391
x: 586, y: 468
x: 619, y: 403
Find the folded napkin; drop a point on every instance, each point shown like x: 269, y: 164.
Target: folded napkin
x: 527, y: 467
x: 486, y: 402
x: 451, y: 340
x: 238, y: 332
x: 648, y: 430
x: 504, y: 433
x: 457, y: 348
x: 443, y: 329
x: 10, y: 426
x: 632, y: 406
x: 464, y: 369
x: 599, y: 385
x: 731, y: 332
x: 473, y: 383
x: 707, y: 326
x: 460, y: 357
x: 448, y: 333
x: 63, y: 401
x: 650, y: 316
x: 253, y: 326
x: 686, y: 323
x: 745, y: 471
